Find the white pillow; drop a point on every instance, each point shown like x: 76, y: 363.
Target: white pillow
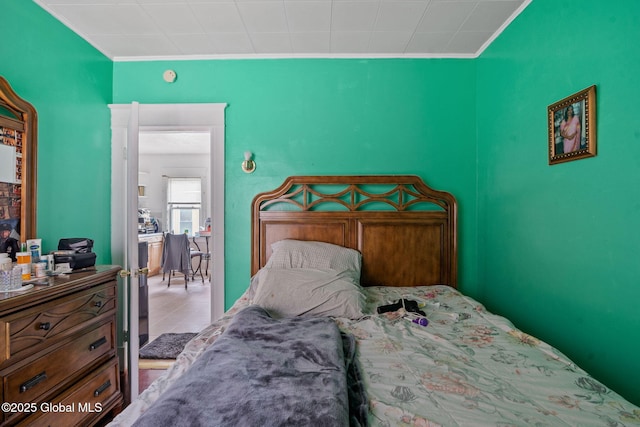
x: 317, y: 255
x: 308, y: 292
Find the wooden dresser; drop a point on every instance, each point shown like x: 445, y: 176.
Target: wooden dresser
x: 58, y: 360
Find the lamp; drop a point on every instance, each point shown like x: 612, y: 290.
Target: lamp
x: 248, y: 166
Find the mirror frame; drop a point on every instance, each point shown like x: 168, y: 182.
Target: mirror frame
x: 17, y: 113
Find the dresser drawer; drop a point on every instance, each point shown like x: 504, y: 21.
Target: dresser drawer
x: 31, y: 330
x: 55, y: 369
x: 96, y: 394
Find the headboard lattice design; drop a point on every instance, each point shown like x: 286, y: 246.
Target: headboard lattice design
x: 405, y: 230
x: 354, y: 197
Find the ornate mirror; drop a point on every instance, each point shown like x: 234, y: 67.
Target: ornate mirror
x: 18, y: 143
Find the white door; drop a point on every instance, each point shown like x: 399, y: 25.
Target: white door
x: 130, y: 214
x: 127, y: 120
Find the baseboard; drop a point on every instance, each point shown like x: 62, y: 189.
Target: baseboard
x: 155, y: 363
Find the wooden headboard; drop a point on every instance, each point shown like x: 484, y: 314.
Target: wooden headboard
x: 405, y: 230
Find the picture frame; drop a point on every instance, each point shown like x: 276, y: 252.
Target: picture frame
x: 572, y: 127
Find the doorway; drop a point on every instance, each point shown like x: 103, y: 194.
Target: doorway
x: 173, y: 197
x: 127, y: 121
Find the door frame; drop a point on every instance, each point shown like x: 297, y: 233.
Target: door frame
x: 165, y: 117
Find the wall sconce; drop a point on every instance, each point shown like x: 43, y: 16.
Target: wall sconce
x: 248, y: 166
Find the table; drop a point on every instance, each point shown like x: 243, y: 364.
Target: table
x: 206, y: 255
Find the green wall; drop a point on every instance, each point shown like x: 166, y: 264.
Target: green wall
x: 315, y: 117
x: 69, y: 83
x: 558, y: 245
x: 552, y: 247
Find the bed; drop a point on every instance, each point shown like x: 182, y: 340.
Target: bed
x: 338, y: 248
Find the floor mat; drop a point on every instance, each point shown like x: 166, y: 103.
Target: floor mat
x: 166, y: 346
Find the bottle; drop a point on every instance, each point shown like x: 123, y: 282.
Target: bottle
x: 34, y: 246
x: 50, y: 265
x: 40, y: 268
x: 5, y: 262
x: 24, y: 262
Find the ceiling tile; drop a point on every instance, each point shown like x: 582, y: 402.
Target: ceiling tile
x: 308, y: 15
x: 173, y: 18
x: 106, y: 19
x: 317, y: 42
x: 432, y: 43
x: 194, y: 44
x: 82, y: 2
x: 154, y: 1
x: 232, y: 43
x: 389, y: 42
x: 467, y: 42
x: 489, y: 15
x: 266, y: 43
x: 353, y: 15
x: 399, y: 16
x: 445, y: 16
x: 263, y: 17
x: 355, y: 42
x: 218, y: 17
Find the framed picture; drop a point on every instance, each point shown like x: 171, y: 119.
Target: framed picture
x: 572, y: 127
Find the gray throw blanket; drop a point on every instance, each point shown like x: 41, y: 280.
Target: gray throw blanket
x: 267, y: 372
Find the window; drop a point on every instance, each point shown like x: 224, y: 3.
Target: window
x: 184, y: 200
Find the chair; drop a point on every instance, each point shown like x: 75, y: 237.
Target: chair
x: 176, y: 256
x: 206, y: 255
x: 196, y: 253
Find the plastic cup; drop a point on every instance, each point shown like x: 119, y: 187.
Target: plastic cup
x: 16, y: 277
x: 5, y: 280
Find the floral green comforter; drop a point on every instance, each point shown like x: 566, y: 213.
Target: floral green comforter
x: 467, y: 367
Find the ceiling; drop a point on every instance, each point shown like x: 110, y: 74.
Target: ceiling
x: 128, y: 30
x: 174, y: 143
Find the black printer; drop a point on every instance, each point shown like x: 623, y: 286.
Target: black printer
x: 76, y: 251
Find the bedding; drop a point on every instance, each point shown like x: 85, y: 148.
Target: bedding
x: 308, y: 292
x: 265, y: 372
x: 466, y: 367
x: 290, y: 254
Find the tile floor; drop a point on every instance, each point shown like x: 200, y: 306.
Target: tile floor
x: 176, y: 309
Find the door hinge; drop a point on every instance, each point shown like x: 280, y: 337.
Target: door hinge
x: 125, y: 336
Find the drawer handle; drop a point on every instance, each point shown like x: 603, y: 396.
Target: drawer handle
x: 45, y: 326
x: 98, y: 304
x: 102, y: 388
x: 97, y: 344
x: 33, y: 382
